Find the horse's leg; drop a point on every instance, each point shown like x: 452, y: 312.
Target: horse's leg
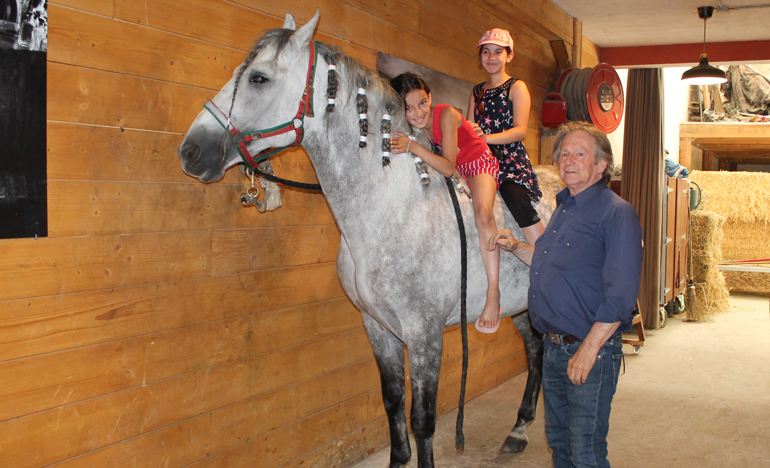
x: 424, y: 365
x: 533, y: 346
x: 389, y: 353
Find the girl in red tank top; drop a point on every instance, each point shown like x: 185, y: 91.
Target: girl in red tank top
x: 463, y: 149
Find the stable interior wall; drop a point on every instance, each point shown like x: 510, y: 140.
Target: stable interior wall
x: 163, y: 324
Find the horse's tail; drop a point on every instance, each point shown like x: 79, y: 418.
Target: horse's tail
x: 459, y: 437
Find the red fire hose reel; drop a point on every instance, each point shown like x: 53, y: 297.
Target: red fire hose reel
x: 591, y: 94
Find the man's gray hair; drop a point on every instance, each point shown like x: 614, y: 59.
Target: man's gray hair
x: 602, y: 146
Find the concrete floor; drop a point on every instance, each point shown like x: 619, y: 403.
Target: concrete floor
x: 697, y: 395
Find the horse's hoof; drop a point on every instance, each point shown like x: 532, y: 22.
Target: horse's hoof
x: 399, y: 461
x: 514, y: 444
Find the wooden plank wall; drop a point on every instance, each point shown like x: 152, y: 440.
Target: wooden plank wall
x: 161, y: 323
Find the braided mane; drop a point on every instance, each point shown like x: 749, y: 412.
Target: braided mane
x: 377, y: 100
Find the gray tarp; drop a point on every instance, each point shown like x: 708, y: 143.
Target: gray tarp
x: 747, y: 89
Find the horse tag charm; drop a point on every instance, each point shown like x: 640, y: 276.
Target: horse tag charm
x: 250, y: 197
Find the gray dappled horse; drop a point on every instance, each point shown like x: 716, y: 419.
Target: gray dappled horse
x: 399, y: 256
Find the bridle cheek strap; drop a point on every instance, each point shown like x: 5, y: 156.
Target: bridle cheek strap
x: 296, y: 124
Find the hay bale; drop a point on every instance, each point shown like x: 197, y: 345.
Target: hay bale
x: 711, y: 295
x: 743, y: 199
x: 747, y: 281
x: 737, y: 196
x: 745, y: 241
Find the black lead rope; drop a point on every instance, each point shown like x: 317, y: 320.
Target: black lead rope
x: 459, y: 437
x: 290, y: 183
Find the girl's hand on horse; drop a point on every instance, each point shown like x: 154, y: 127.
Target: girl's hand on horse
x: 399, y: 143
x: 478, y: 130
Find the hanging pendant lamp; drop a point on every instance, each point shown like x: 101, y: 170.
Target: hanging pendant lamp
x: 703, y: 73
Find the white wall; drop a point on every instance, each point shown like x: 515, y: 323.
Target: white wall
x: 616, y: 137
x: 674, y: 112
x: 674, y: 108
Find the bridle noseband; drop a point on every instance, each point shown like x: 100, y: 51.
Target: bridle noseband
x: 296, y: 124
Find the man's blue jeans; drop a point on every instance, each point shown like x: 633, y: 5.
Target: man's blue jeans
x: 577, y: 418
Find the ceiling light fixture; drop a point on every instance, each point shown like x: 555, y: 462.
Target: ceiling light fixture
x: 703, y: 73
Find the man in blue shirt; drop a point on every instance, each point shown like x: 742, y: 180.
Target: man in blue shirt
x: 584, y: 281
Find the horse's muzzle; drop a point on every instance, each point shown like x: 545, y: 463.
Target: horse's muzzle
x: 189, y: 153
x: 192, y: 165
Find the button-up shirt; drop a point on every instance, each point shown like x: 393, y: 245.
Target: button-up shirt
x: 586, y: 265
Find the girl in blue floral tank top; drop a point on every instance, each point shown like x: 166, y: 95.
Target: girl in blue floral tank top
x: 500, y: 109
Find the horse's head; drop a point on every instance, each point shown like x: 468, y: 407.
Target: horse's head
x: 261, y: 107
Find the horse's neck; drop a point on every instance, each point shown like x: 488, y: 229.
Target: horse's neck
x: 351, y: 175
x: 358, y: 187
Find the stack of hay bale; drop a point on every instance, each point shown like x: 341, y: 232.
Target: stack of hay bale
x: 711, y: 295
x: 743, y: 200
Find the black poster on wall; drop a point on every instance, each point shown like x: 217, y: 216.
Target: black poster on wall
x: 23, y: 192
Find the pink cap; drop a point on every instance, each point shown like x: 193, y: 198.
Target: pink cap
x: 496, y: 36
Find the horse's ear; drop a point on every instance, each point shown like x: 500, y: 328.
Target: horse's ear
x: 289, y: 23
x: 305, y: 33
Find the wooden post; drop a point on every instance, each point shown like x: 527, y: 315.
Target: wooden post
x: 546, y: 146
x: 577, y: 43
x: 685, y: 152
x: 706, y: 161
x: 722, y: 163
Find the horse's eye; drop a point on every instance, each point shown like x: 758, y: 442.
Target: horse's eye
x: 259, y: 79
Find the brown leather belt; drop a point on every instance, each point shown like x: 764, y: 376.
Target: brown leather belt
x: 563, y: 339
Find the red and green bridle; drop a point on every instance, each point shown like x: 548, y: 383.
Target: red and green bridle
x: 296, y: 124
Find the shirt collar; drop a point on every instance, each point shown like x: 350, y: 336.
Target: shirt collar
x: 584, y: 197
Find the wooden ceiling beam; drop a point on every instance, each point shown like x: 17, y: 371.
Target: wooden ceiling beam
x: 686, y: 54
x: 741, y: 156
x: 754, y: 140
x: 758, y: 162
x: 723, y: 129
x: 733, y: 147
x: 733, y: 143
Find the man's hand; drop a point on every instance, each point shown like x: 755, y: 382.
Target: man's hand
x: 580, y: 365
x: 505, y: 240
